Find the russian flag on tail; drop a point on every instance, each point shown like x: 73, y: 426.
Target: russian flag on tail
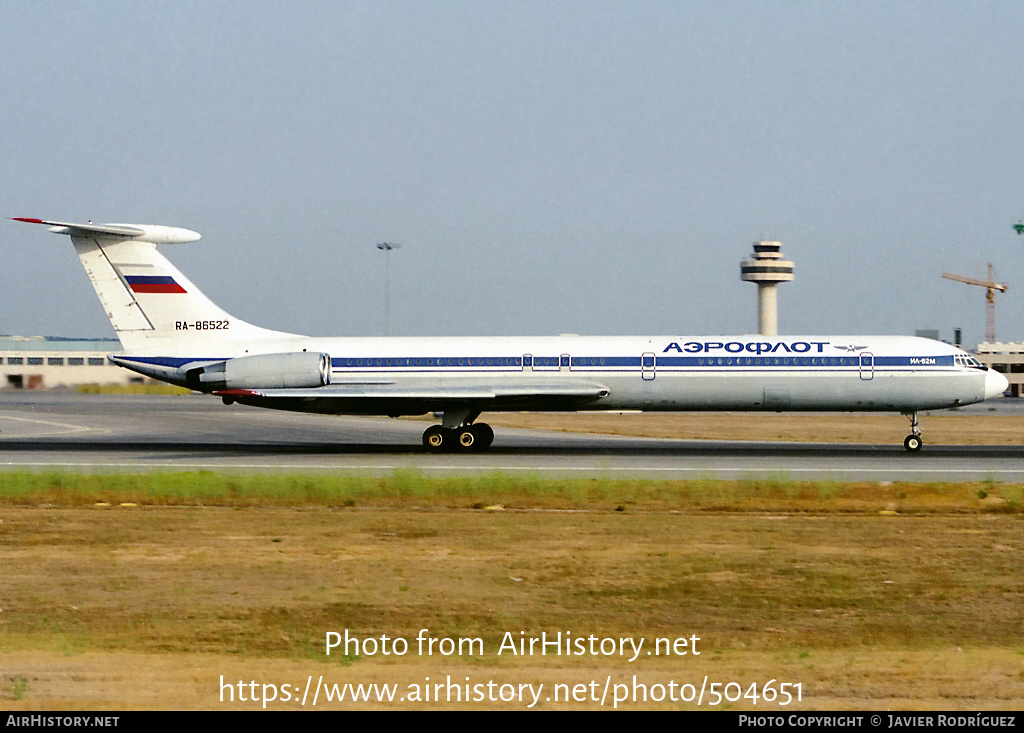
x: 153, y: 284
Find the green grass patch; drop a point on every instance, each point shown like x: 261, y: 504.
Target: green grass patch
x: 496, y: 490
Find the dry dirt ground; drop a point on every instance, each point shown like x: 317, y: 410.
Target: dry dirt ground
x: 172, y: 607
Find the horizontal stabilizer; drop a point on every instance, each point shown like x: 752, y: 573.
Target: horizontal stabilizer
x: 141, y: 232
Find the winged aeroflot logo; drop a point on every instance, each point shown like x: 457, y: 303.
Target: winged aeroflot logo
x: 851, y: 348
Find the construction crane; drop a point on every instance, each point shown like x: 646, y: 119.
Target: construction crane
x: 990, y: 298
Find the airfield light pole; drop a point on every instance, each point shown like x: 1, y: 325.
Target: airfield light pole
x: 387, y: 247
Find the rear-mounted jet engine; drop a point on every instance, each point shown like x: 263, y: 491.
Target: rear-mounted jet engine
x: 266, y: 371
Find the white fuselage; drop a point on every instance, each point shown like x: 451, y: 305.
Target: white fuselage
x: 658, y: 373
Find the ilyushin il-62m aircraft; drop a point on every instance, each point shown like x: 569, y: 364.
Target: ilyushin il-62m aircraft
x: 172, y: 332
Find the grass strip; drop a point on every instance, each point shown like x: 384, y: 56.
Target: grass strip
x: 410, y: 488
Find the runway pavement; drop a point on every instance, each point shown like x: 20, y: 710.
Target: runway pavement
x: 95, y: 433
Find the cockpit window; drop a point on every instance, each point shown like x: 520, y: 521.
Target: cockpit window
x: 966, y: 360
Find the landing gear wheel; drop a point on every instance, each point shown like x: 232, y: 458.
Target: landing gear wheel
x: 484, y: 435
x: 913, y: 441
x: 468, y: 438
x: 437, y: 439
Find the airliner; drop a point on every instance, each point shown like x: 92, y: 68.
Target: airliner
x: 170, y: 331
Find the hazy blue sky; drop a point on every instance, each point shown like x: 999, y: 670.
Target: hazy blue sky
x: 548, y: 167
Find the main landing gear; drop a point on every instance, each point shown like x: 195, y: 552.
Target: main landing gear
x: 458, y: 432
x: 913, y: 441
x: 475, y: 437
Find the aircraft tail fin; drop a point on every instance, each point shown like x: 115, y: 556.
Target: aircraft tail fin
x: 149, y: 302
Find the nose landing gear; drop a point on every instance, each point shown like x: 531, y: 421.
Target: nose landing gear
x: 913, y: 441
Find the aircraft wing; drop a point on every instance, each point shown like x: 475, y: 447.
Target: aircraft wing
x: 360, y: 390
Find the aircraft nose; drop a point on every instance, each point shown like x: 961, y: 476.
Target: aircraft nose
x: 995, y: 384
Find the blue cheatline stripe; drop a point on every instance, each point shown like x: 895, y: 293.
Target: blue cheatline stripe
x: 425, y: 361
x: 594, y: 362
x: 550, y: 362
x: 597, y: 362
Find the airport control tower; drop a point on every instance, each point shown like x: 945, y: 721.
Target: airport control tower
x: 767, y: 268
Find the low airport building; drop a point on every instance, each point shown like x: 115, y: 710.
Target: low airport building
x: 44, y: 362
